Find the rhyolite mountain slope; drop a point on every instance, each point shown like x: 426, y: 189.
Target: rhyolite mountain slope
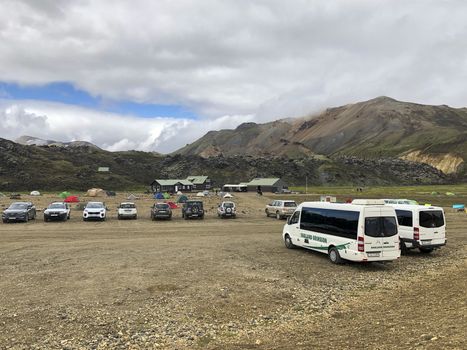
x: 381, y: 127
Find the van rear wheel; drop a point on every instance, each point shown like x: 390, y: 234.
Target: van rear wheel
x: 334, y: 255
x: 426, y: 250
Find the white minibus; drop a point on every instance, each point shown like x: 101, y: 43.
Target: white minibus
x: 365, y: 230
x: 422, y: 227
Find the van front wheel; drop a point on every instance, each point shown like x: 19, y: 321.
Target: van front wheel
x: 334, y: 255
x: 288, y: 242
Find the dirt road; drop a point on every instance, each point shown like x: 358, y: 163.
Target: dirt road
x: 218, y: 284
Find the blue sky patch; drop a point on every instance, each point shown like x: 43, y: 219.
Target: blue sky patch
x: 63, y: 92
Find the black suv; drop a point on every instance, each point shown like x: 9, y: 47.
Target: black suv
x: 193, y: 209
x: 19, y: 211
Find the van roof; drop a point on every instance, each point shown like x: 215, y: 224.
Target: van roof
x: 368, y: 202
x: 414, y: 207
x: 340, y: 206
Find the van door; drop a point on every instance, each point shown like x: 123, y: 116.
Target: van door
x: 405, y: 219
x: 294, y: 228
x: 389, y: 231
x: 373, y: 240
x: 431, y: 225
x: 381, y: 238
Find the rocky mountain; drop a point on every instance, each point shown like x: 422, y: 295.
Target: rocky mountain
x: 381, y: 127
x: 35, y: 141
x: 50, y: 168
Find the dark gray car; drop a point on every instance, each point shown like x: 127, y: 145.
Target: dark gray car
x: 161, y: 211
x: 19, y: 211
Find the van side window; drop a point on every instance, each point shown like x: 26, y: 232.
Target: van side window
x: 295, y: 218
x: 340, y: 223
x: 404, y: 217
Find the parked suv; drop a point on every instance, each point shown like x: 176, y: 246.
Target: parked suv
x: 193, y: 209
x: 19, y: 211
x: 161, y: 211
x: 281, y: 208
x: 57, y: 211
x: 127, y: 210
x: 94, y: 210
x: 226, y: 210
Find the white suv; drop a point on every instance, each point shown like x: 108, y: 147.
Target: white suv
x: 226, y: 210
x: 57, y: 211
x: 94, y: 210
x: 127, y: 210
x: 280, y: 208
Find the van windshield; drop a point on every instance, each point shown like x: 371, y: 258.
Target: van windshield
x: 431, y: 219
x: 381, y: 226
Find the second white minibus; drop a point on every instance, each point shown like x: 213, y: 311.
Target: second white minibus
x: 422, y: 227
x: 365, y: 230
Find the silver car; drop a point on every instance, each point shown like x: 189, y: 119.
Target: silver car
x: 280, y: 208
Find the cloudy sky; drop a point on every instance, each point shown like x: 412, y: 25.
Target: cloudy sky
x: 157, y: 74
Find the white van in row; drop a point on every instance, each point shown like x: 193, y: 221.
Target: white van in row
x: 421, y: 227
x: 365, y: 230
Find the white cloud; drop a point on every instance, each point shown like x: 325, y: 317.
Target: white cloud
x: 229, y: 61
x: 109, y: 131
x: 270, y: 58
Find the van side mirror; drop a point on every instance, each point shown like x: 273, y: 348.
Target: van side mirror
x: 289, y: 219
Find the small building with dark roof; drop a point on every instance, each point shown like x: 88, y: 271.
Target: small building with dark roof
x: 171, y: 185
x: 273, y: 185
x: 200, y: 183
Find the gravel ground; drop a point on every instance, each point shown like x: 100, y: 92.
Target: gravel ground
x: 217, y: 284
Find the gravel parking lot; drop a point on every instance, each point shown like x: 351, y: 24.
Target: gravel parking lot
x: 217, y: 284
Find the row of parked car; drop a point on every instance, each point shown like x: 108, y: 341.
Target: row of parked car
x: 25, y: 211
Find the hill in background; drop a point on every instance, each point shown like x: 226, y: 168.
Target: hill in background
x: 377, y: 142
x: 381, y: 127
x: 50, y: 168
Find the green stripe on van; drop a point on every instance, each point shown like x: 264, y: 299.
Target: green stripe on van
x: 339, y: 247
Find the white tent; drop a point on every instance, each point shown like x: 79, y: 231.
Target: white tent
x: 35, y: 193
x: 200, y: 194
x: 132, y: 197
x: 179, y: 192
x: 94, y: 192
x: 228, y: 195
